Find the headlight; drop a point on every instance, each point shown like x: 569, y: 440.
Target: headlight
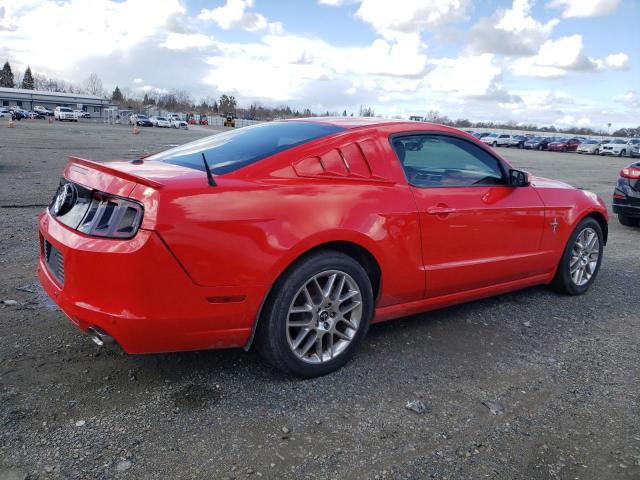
x: 110, y: 216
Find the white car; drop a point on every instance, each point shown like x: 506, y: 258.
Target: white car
x: 4, y: 112
x: 177, y: 123
x: 590, y: 146
x: 621, y: 147
x: 65, y: 113
x: 162, y: 122
x: 497, y: 140
x: 42, y: 110
x: 82, y: 114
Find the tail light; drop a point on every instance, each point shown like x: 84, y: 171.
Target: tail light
x: 632, y: 172
x: 110, y: 216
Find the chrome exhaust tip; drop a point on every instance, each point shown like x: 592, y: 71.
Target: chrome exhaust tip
x: 99, y: 337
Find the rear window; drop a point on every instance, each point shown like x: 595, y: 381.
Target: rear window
x: 230, y: 151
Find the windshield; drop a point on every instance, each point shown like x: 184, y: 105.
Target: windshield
x: 141, y: 116
x: 230, y: 151
x: 162, y: 118
x: 62, y: 109
x: 590, y: 142
x: 619, y: 141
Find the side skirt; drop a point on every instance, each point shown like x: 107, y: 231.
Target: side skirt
x: 405, y: 309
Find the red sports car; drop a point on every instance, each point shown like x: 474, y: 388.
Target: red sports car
x: 294, y: 235
x: 566, y: 145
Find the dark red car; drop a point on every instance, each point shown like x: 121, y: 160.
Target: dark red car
x: 565, y: 145
x: 293, y: 236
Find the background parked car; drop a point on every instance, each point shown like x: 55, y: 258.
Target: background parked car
x: 590, y: 146
x: 517, y: 141
x: 65, y: 113
x: 177, y: 123
x: 43, y: 110
x: 564, y: 145
x: 620, y: 147
x: 82, y: 114
x: 162, y: 122
x: 140, y: 119
x: 4, y: 112
x: 626, y: 196
x: 497, y: 140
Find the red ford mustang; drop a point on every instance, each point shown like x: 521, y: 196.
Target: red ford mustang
x: 295, y: 235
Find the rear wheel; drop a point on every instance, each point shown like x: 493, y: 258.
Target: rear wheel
x: 623, y: 153
x: 317, y: 315
x: 581, y: 259
x: 628, y: 221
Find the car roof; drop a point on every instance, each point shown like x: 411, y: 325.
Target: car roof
x: 356, y: 122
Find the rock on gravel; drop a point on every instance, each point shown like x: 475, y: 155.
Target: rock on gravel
x: 417, y: 406
x: 494, y: 407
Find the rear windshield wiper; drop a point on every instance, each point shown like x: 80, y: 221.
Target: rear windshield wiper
x: 210, y: 179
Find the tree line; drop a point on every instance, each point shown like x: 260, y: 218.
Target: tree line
x: 181, y: 101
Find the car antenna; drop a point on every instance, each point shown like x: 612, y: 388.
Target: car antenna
x: 210, y: 179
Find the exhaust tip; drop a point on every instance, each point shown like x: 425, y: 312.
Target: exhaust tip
x: 99, y: 337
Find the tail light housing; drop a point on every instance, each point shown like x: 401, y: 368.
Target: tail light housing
x: 111, y: 216
x: 632, y: 171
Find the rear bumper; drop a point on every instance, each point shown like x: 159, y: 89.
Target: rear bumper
x: 137, y: 292
x: 626, y: 210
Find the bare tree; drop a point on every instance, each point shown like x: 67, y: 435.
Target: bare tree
x: 93, y: 85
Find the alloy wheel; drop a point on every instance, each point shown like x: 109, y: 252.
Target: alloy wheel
x: 584, y: 257
x: 324, y: 316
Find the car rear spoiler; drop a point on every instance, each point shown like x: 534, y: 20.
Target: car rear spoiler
x: 105, y: 168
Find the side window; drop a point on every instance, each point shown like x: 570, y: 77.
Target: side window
x: 444, y: 161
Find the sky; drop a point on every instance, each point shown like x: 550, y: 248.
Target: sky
x: 561, y: 62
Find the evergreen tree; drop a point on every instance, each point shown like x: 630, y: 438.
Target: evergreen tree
x: 6, y: 76
x: 117, y: 96
x: 27, y: 80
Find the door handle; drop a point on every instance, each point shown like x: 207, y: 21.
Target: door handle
x: 440, y: 210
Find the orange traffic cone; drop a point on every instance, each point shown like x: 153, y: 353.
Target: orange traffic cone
x: 136, y: 129
x: 10, y: 123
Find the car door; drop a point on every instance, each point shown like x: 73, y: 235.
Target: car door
x: 476, y: 230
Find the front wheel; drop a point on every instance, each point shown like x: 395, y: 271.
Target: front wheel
x: 495, y: 144
x: 581, y: 259
x: 317, y: 315
x: 623, y: 153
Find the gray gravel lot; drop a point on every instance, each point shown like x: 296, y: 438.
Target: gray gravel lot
x: 559, y: 376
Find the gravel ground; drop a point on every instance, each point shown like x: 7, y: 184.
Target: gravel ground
x: 530, y: 385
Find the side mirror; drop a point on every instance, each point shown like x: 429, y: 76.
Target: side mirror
x: 518, y: 178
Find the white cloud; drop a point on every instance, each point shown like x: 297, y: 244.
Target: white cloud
x: 584, y: 8
x: 572, y: 121
x: 617, y: 61
x: 410, y: 15
x: 138, y: 81
x: 470, y: 76
x: 53, y: 36
x: 186, y: 41
x: 631, y: 98
x: 337, y: 3
x: 510, y: 31
x: 555, y: 58
x: 233, y: 14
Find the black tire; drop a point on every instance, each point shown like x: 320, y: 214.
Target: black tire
x: 540, y: 147
x: 562, y: 281
x: 596, y: 152
x: 495, y: 144
x: 623, y: 153
x: 628, y: 221
x: 271, y: 336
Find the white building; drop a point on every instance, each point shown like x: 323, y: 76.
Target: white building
x: 28, y: 99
